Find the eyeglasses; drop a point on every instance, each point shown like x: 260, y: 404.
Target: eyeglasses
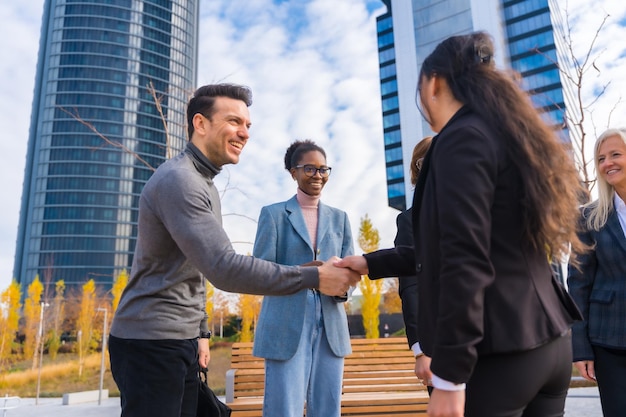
x: 311, y: 170
x: 419, y: 162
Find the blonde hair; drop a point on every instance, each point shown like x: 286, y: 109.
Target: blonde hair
x: 600, y: 209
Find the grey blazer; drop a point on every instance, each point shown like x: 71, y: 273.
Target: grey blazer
x: 599, y: 290
x: 282, y: 237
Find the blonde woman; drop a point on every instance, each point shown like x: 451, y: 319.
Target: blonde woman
x: 599, y: 284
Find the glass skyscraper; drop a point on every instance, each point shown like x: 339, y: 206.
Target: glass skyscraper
x: 524, y: 36
x: 96, y: 133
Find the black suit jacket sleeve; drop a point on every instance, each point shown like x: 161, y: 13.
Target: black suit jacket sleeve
x: 390, y: 262
x: 407, y: 288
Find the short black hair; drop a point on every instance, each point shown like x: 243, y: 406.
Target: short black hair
x: 203, y: 100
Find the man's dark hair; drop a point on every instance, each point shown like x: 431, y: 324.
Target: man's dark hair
x: 203, y: 100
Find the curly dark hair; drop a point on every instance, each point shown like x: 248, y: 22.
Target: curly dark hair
x: 550, y: 181
x: 297, y: 149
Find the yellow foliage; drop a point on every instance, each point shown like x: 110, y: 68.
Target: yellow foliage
x: 58, y: 315
x: 118, y: 288
x: 369, y: 239
x: 85, y: 320
x: 32, y: 310
x: 210, y: 293
x: 249, y: 306
x: 372, y: 293
x: 391, y: 298
x: 9, y: 319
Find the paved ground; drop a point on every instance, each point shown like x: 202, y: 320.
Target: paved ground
x: 581, y: 402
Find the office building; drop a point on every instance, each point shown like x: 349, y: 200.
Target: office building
x: 524, y: 36
x: 96, y: 133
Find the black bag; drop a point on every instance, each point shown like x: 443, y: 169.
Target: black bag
x: 208, y: 403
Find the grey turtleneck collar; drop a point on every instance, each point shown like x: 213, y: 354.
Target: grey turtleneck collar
x: 201, y: 162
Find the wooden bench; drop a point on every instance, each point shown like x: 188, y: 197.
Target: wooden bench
x: 378, y: 380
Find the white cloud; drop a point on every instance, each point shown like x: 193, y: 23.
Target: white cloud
x: 608, y: 57
x: 19, y: 43
x: 313, y: 75
x: 318, y: 81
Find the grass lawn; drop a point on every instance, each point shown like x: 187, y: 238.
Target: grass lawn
x: 62, y: 375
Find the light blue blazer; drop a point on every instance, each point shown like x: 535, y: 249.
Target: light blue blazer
x: 282, y: 237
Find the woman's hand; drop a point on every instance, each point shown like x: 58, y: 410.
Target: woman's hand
x: 422, y: 369
x: 586, y: 369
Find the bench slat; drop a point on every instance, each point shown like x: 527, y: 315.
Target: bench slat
x: 378, y: 380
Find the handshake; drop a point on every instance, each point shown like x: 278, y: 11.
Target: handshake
x: 337, y: 275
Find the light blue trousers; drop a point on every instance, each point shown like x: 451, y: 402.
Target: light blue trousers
x: 314, y: 374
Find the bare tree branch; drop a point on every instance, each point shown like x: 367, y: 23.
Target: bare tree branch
x: 157, y: 102
x: 76, y: 116
x: 577, y: 76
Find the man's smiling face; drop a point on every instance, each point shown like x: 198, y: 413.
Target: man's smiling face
x: 223, y: 137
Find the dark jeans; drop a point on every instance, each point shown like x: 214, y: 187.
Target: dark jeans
x: 156, y: 378
x: 533, y: 383
x: 610, y: 367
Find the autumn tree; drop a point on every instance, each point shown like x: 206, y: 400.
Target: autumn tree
x: 249, y: 306
x: 85, y: 321
x: 32, y: 311
x: 391, y: 298
x: 210, y: 293
x: 56, y: 319
x: 9, y: 319
x: 369, y: 239
x: 118, y: 288
x: 221, y: 309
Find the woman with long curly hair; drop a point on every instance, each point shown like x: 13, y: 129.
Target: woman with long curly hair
x: 495, y: 200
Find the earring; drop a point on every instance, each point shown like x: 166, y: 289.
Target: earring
x: 434, y: 98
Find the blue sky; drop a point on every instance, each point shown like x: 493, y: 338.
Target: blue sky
x: 313, y: 75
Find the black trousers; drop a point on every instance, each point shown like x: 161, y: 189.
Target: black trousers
x: 610, y: 367
x: 156, y: 378
x: 533, y: 383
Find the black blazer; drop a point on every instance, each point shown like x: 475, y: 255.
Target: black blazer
x: 483, y: 289
x: 599, y: 289
x: 407, y: 284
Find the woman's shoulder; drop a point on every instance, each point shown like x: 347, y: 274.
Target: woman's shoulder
x: 334, y: 210
x: 277, y: 206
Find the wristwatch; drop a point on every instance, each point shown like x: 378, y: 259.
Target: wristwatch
x: 205, y: 335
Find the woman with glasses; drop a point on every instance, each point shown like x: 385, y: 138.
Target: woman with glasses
x: 303, y: 337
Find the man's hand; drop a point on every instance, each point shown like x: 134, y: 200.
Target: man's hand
x: 313, y: 263
x: 204, y: 354
x: 586, y: 369
x: 446, y: 403
x: 335, y: 280
x: 355, y: 262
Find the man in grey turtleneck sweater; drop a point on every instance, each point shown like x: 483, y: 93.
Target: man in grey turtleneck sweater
x: 159, y: 335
